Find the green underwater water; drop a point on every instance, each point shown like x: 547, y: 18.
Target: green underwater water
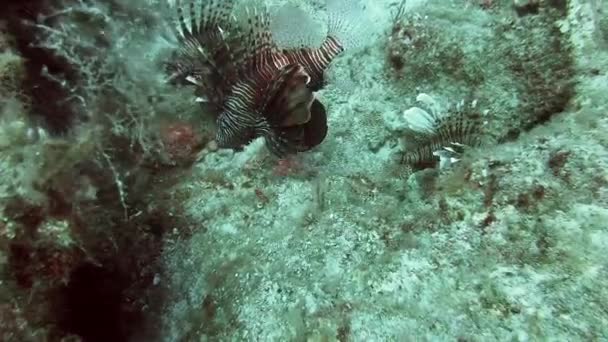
x: 121, y: 220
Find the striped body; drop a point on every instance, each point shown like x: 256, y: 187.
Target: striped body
x: 316, y: 61
x: 245, y: 96
x: 451, y: 134
x: 235, y: 67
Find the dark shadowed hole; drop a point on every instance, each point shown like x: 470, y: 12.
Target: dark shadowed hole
x: 94, y: 306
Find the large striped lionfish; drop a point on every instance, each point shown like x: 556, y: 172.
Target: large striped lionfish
x: 254, y: 87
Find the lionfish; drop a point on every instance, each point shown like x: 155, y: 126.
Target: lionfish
x: 254, y: 87
x: 439, y: 135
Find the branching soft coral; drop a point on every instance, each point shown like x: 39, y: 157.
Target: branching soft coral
x: 116, y: 81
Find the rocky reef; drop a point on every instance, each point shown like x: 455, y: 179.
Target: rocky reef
x: 120, y: 220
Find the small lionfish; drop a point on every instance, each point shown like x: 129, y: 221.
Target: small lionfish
x: 254, y: 87
x: 438, y: 135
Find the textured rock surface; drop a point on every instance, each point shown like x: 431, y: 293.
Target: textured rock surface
x: 505, y: 245
x: 110, y: 231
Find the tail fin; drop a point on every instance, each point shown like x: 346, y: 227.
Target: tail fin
x: 294, y: 28
x: 347, y: 22
x: 294, y: 120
